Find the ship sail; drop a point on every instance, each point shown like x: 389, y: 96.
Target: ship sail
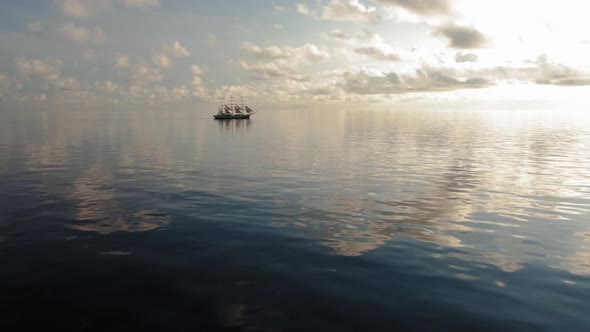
x: 233, y: 110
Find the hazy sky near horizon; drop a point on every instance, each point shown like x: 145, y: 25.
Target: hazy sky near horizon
x: 459, y: 52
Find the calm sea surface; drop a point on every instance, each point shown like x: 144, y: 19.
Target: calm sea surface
x: 295, y: 221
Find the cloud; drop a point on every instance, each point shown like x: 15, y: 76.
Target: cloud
x: 283, y: 60
x: 161, y: 60
x: 268, y: 70
x: 68, y: 84
x: 462, y: 37
x: 144, y: 74
x: 141, y: 4
x: 339, y: 35
x: 306, y: 53
x: 80, y: 34
x: 82, y: 8
x: 367, y: 43
x: 423, y: 80
x: 86, y: 8
x: 89, y: 55
x: 421, y: 7
x: 278, y: 9
x: 196, y: 70
x: 34, y: 27
x: 122, y: 61
x: 105, y: 86
x: 211, y: 40
x: 377, y: 53
x: 466, y: 57
x: 176, y: 49
x: 199, y: 89
x: 48, y: 70
x: 547, y: 72
x: 341, y: 10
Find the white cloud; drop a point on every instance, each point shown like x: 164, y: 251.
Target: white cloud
x: 211, y: 40
x: 305, y: 53
x: 48, y: 70
x: 196, y: 70
x: 70, y: 83
x: 377, y: 53
x: 142, y: 4
x: 34, y: 27
x: 89, y: 55
x: 285, y: 59
x: 267, y: 70
x: 105, y: 86
x: 122, y: 61
x: 179, y: 92
x: 421, y: 7
x: 176, y: 49
x: 341, y: 10
x: 199, y: 89
x: 161, y: 60
x: 82, y: 8
x: 423, y: 80
x: 86, y: 8
x: 144, y: 74
x: 466, y: 57
x: 80, y: 34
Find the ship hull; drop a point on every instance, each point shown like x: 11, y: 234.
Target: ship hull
x: 231, y: 117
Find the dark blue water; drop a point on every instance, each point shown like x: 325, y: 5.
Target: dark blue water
x: 295, y: 221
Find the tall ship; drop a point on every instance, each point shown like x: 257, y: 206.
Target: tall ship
x: 233, y: 111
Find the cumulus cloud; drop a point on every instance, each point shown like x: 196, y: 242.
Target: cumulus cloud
x: 161, y: 60
x: 89, y: 55
x: 268, y: 70
x: 196, y: 70
x: 105, y: 86
x: 377, y: 53
x: 466, y: 57
x: 368, y: 44
x: 199, y: 89
x: 144, y: 74
x: 48, y: 70
x: 122, y: 61
x: 86, y: 8
x: 211, y: 40
x: 278, y: 9
x: 176, y: 49
x: 462, y: 37
x: 341, y: 10
x: 68, y: 84
x: 546, y: 72
x: 423, y: 80
x: 82, y: 8
x: 34, y: 27
x: 421, y: 7
x: 305, y: 53
x: 80, y: 34
x: 142, y: 4
x: 284, y: 60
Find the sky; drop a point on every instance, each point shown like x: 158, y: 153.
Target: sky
x: 287, y: 54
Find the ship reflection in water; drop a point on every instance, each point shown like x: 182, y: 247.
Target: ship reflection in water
x: 295, y: 221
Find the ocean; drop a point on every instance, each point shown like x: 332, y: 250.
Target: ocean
x: 305, y: 220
